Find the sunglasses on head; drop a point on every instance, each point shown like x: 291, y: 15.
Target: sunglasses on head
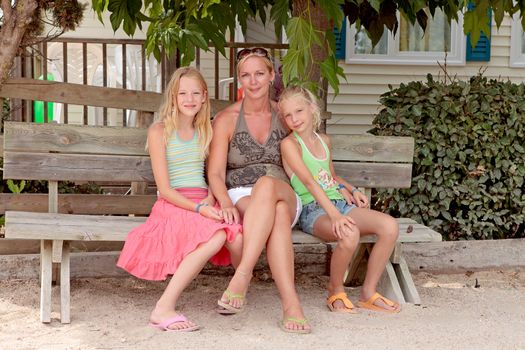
x: 256, y: 51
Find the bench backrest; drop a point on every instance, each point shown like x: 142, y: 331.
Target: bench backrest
x: 89, y: 153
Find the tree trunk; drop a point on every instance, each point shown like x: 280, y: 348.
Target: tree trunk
x: 16, y: 21
x: 313, y: 13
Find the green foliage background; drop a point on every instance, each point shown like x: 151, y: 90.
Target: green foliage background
x: 469, y: 162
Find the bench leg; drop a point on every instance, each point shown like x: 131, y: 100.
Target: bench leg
x: 64, y: 285
x: 406, y: 282
x: 46, y: 264
x: 389, y: 285
x: 57, y: 258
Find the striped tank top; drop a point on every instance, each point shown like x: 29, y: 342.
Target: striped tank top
x: 185, y: 164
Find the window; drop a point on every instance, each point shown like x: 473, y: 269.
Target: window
x: 517, y: 44
x: 410, y: 45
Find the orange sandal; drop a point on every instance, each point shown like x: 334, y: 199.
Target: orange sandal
x: 369, y: 304
x: 349, y: 307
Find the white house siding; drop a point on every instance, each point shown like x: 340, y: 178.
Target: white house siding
x: 353, y: 110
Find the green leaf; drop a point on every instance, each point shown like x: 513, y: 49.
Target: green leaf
x: 329, y: 70
x: 280, y: 13
x: 124, y: 11
x: 333, y: 11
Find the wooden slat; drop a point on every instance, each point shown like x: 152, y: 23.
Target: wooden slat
x: 54, y: 166
x: 52, y: 91
x: 370, y: 148
x: 1, y: 145
x: 114, y: 228
x: 88, y: 204
x: 26, y: 225
x: 418, y: 233
x: 375, y: 175
x: 86, y: 95
x: 31, y: 137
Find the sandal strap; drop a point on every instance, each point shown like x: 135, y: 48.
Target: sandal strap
x: 301, y: 321
x: 343, y: 297
x: 382, y: 298
x: 231, y: 295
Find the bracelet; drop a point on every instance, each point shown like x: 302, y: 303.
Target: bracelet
x: 197, y: 208
x: 340, y: 187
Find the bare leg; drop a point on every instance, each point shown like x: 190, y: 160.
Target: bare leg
x: 280, y: 257
x: 387, y: 230
x: 341, y: 257
x: 259, y: 217
x: 235, y: 249
x: 188, y: 269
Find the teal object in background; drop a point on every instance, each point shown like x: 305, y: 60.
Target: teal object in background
x: 38, y: 106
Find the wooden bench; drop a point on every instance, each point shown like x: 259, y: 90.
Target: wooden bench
x: 56, y: 153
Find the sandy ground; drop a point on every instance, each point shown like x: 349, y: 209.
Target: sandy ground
x: 111, y: 313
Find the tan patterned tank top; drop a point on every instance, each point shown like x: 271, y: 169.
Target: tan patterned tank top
x: 248, y: 160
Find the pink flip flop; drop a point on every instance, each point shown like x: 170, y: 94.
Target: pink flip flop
x: 164, y: 325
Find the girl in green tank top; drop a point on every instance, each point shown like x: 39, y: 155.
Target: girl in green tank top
x: 333, y: 209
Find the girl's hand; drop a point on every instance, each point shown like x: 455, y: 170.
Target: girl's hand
x: 230, y: 215
x: 342, y: 226
x: 210, y: 200
x: 347, y: 196
x: 210, y: 212
x: 360, y: 199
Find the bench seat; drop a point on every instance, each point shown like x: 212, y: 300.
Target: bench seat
x: 56, y: 152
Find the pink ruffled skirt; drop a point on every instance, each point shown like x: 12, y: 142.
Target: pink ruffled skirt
x: 155, y: 249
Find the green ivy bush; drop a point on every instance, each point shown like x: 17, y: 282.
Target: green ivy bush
x: 469, y: 161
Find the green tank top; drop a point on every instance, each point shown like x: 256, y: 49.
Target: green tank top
x: 320, y: 170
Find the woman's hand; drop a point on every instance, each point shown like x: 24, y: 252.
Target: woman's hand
x: 342, y: 226
x: 210, y: 212
x: 230, y: 215
x: 209, y: 200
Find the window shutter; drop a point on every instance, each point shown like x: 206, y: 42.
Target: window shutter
x: 482, y: 50
x: 340, y: 41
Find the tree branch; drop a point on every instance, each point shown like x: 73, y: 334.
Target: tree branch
x: 8, y: 10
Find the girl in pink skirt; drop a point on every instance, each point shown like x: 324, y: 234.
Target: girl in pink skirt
x: 185, y: 229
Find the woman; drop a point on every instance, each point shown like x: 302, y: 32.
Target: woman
x: 247, y: 178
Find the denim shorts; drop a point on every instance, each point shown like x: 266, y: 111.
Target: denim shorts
x: 313, y: 211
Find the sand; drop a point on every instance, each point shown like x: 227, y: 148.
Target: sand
x: 112, y: 313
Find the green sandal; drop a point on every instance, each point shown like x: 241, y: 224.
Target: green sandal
x: 300, y: 321
x: 225, y: 308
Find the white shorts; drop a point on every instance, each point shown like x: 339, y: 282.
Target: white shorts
x: 237, y: 193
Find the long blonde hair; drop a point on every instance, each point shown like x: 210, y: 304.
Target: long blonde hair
x: 308, y: 97
x: 168, y: 113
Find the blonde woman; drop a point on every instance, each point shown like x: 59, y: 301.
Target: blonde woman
x: 184, y: 229
x: 247, y: 177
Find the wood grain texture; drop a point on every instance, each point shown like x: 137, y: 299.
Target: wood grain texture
x: 76, y: 167
x: 20, y: 224
x: 28, y: 225
x: 79, y: 203
x: 60, y: 138
x: 52, y: 91
x: 375, y: 175
x: 370, y: 148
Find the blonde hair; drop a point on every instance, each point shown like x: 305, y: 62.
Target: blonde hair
x: 267, y: 62
x: 307, y: 96
x: 168, y: 113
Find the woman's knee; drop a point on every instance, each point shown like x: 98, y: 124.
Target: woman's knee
x: 236, y: 243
